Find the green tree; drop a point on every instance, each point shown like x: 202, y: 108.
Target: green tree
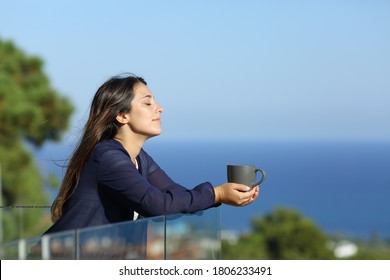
x: 282, y: 234
x: 289, y: 235
x: 31, y: 112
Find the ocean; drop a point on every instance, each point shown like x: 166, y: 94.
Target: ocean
x: 343, y: 187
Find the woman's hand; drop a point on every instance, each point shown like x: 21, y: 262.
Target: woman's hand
x: 235, y: 194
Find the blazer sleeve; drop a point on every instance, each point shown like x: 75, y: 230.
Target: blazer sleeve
x: 151, y: 195
x: 155, y: 175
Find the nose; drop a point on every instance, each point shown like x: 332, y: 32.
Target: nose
x: 160, y: 109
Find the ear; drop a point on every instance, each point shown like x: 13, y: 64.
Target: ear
x: 122, y: 118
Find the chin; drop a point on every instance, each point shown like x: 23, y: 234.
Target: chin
x: 154, y: 134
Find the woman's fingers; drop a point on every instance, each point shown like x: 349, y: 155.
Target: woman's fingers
x: 236, y: 194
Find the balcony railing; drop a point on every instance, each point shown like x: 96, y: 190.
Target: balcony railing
x: 185, y: 236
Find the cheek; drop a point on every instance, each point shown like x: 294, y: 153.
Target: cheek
x: 139, y: 122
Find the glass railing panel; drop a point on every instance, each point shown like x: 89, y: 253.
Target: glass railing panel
x: 190, y: 236
x: 22, y: 249
x: 194, y: 236
x: 155, y: 238
x: 59, y: 246
x: 10, y: 250
x: 54, y: 246
x: 136, y: 240
x: 32, y: 249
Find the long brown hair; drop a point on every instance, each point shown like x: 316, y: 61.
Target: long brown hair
x: 112, y: 98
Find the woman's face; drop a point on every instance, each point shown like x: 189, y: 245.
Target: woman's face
x: 144, y: 117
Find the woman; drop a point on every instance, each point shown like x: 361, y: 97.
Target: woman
x: 110, y: 178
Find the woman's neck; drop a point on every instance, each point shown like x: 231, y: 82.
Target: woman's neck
x: 131, y: 143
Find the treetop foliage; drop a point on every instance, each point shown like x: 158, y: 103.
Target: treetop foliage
x: 30, y: 111
x: 29, y: 107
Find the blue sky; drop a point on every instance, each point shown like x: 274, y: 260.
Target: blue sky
x: 230, y: 70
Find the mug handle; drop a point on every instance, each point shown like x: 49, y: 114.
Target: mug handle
x: 262, y: 177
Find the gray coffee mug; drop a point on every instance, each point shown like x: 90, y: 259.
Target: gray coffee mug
x: 244, y: 174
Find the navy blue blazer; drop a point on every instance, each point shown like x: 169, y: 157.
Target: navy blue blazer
x: 111, y: 188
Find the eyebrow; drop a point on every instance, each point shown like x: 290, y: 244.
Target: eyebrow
x: 147, y: 96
